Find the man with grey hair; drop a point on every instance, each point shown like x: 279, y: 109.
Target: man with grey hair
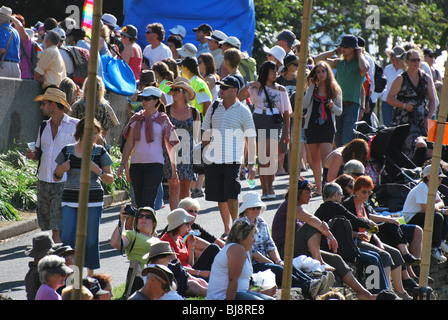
x: 50, y: 69
x: 9, y: 46
x: 355, y: 168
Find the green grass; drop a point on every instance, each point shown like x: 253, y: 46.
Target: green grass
x: 18, y: 182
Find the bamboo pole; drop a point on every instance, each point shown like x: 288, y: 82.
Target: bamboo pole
x: 81, y: 230
x: 295, y: 153
x: 433, y: 184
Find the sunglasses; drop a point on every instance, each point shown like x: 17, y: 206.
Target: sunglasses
x: 165, y: 287
x: 149, y: 98
x: 147, y: 31
x: 193, y: 211
x: 414, y: 60
x: 224, y: 87
x: 295, y: 64
x: 254, y: 208
x: 145, y: 216
x: 177, y: 90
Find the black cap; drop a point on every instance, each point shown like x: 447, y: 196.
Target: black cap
x: 189, y: 62
x: 349, y: 41
x: 229, y: 81
x: 428, y: 52
x: 204, y: 27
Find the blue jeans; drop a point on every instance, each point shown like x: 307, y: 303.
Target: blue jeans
x: 345, y: 123
x: 386, y: 111
x: 68, y: 233
x: 372, y: 258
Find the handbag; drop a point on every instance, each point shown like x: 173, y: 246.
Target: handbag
x: 277, y: 117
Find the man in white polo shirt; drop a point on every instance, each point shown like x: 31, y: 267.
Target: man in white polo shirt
x: 56, y: 134
x: 226, y: 130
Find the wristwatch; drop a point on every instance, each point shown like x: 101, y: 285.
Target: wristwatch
x: 101, y: 173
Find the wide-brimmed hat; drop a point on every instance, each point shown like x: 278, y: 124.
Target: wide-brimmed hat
x: 162, y: 272
x: 184, y: 83
x: 277, y: 51
x: 427, y: 171
x: 42, y: 244
x: 251, y: 199
x: 397, y: 51
x: 130, y: 31
x: 159, y: 248
x: 109, y: 19
x: 177, y: 217
x: 151, y: 91
x: 56, y: 95
x: 5, y: 12
x: 179, y: 30
x: 188, y: 50
x: 232, y: 41
x: 147, y: 77
x: 217, y: 36
x: 350, y: 41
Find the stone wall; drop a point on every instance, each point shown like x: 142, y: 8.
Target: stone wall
x: 20, y: 116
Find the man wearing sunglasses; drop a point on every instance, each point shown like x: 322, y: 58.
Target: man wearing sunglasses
x: 159, y: 280
x: 351, y: 69
x: 227, y: 128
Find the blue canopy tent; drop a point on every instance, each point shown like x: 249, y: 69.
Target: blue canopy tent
x: 234, y: 18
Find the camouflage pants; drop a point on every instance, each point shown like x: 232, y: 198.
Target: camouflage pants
x: 49, y: 211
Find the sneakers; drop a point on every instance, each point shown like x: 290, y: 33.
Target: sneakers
x: 444, y: 246
x: 321, y: 285
x: 196, y: 193
x: 436, y: 253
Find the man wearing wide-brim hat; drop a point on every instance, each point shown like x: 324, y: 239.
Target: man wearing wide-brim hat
x: 42, y: 245
x: 351, y: 67
x: 9, y: 46
x: 52, y: 136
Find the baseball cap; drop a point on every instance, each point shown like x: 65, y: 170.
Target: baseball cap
x: 179, y: 30
x: 232, y: 41
x: 151, y: 91
x: 427, y: 171
x: 189, y: 62
x: 188, y: 50
x: 230, y: 82
x: 217, y: 36
x: 204, y: 27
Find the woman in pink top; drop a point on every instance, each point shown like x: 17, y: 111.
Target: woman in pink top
x: 132, y: 53
x: 144, y: 134
x: 52, y: 273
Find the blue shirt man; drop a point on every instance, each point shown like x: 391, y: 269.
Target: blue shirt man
x: 10, y: 55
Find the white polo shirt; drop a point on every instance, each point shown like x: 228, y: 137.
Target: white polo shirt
x: 230, y: 128
x: 51, y: 148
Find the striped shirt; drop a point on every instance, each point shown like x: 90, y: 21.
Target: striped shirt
x: 52, y: 147
x: 72, y: 185
x: 230, y: 127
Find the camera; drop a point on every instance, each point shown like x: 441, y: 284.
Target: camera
x: 130, y: 210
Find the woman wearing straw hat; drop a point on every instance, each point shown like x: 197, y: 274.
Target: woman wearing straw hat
x: 265, y: 254
x: 186, y: 119
x: 183, y: 242
x: 132, y: 53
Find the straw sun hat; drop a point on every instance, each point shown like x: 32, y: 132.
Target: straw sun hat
x: 56, y: 95
x: 184, y: 83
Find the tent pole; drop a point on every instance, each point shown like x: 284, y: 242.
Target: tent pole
x: 433, y: 186
x: 295, y: 153
x: 81, y: 230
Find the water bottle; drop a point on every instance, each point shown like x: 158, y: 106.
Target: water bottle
x: 251, y: 183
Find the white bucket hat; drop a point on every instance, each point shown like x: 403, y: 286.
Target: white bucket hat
x: 252, y: 199
x: 109, y: 19
x: 188, y: 50
x: 178, y: 217
x: 277, y: 51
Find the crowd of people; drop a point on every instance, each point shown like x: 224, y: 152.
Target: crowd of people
x: 213, y: 98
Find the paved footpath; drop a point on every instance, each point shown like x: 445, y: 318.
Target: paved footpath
x: 14, y: 262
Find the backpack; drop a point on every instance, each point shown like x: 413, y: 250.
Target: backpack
x: 341, y: 228
x: 380, y: 79
x: 80, y: 58
x: 36, y: 50
x: 248, y: 68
